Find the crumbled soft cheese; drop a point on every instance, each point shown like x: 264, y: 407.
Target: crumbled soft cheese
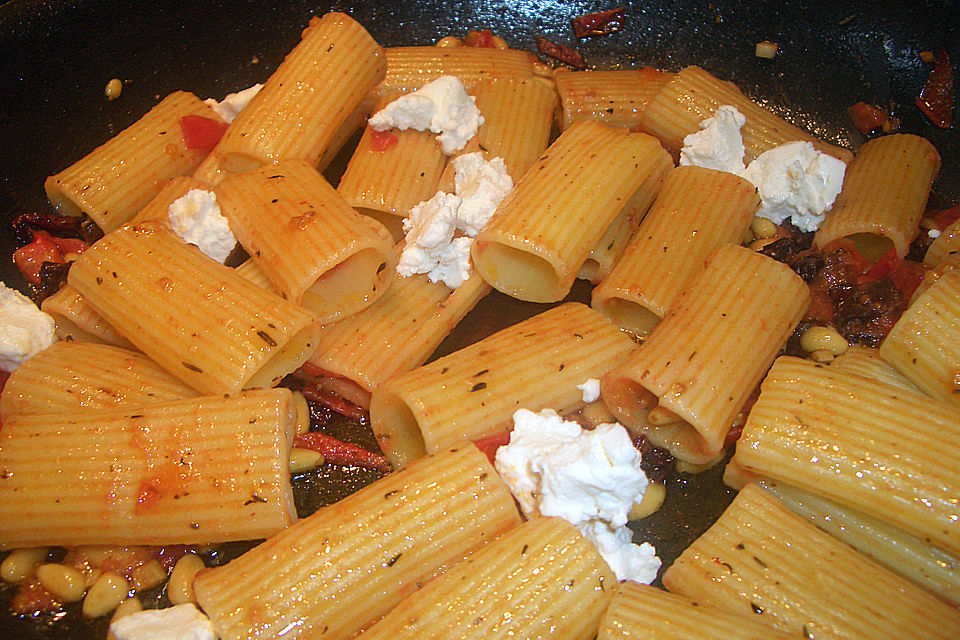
x: 442, y: 106
x: 590, y: 478
x: 233, y: 104
x: 432, y: 244
x: 196, y: 218
x: 24, y: 329
x: 718, y: 145
x: 933, y: 233
x: 590, y: 389
x: 182, y: 622
x: 796, y: 181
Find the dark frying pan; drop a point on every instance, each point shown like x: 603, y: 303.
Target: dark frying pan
x: 56, y: 57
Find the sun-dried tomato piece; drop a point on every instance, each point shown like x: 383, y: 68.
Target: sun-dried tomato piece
x: 936, y: 99
x: 866, y: 117
x: 340, y: 452
x: 482, y: 39
x: 560, y: 52
x: 601, y: 23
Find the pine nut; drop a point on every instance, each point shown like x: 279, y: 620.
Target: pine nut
x: 180, y: 587
x: 19, y: 565
x: 147, y: 576
x: 304, y: 460
x: 303, y: 412
x: 105, y: 595
x: 65, y: 583
x: 651, y: 501
x: 449, y: 41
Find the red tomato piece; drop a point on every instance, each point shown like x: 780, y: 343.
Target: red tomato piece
x: 70, y: 245
x: 560, y: 52
x: 380, y: 141
x: 944, y: 219
x: 866, y: 117
x: 482, y: 39
x: 905, y: 274
x: 340, y: 452
x: 29, y: 258
x: 201, y: 133
x: 600, y: 23
x: 936, y: 98
x: 489, y: 444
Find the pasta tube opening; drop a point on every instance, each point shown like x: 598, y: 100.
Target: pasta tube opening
x: 399, y: 435
x: 351, y: 284
x: 517, y: 272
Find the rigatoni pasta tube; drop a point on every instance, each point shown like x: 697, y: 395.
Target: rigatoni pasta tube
x: 924, y: 344
x: 884, y: 194
x: 885, y: 451
x: 615, y: 98
x: 337, y: 571
x: 866, y: 362
x: 77, y: 320
x: 306, y: 238
x: 474, y: 392
x: 708, y: 354
x: 533, y: 246
x: 761, y: 561
x: 540, y: 579
x: 696, y: 212
x: 640, y: 612
x: 301, y: 108
x: 693, y: 95
x: 73, y: 377
x: 112, y: 182
x: 945, y: 249
x: 199, y: 320
x: 191, y: 471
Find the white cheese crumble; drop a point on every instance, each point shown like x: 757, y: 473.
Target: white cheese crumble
x: 798, y: 182
x: 196, y: 218
x: 182, y: 622
x: 233, y: 104
x: 718, y: 145
x: 934, y: 233
x: 432, y: 244
x: 24, y: 329
x: 442, y: 106
x: 590, y: 389
x: 590, y: 478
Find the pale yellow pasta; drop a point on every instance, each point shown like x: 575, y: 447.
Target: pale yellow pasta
x: 535, y: 244
x: 474, y: 392
x: 684, y: 385
x: 74, y: 377
x: 299, y: 111
x: 924, y: 344
x: 395, y: 334
x: 517, y: 115
x: 887, y: 452
x: 540, y: 579
x: 884, y: 194
x: 696, y: 212
x: 115, y: 180
x: 867, y: 362
x: 639, y: 612
x: 199, y: 320
x: 306, y: 238
x: 77, y: 320
x: 693, y: 95
x: 945, y: 249
x: 615, y: 98
x: 761, y: 561
x: 191, y: 471
x: 337, y: 571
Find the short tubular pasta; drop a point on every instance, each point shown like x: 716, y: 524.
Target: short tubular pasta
x: 116, y: 179
x: 867, y: 362
x: 751, y: 303
x: 539, y: 579
x: 887, y: 452
x: 75, y: 377
x: 639, y: 612
x: 615, y: 98
x: 306, y: 238
x: 542, y: 232
x: 190, y: 471
x: 199, y: 320
x: 696, y: 211
x: 761, y: 561
x: 884, y: 194
x: 77, y: 320
x: 924, y: 344
x: 945, y: 249
x: 475, y: 391
x: 693, y: 95
x: 312, y: 93
x: 342, y: 568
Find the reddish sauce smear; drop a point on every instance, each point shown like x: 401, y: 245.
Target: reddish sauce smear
x: 560, y: 52
x: 380, y: 141
x: 936, y: 98
x: 601, y: 23
x: 201, y: 133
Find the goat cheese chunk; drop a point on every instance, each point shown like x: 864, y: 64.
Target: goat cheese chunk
x: 718, y: 145
x: 182, y: 622
x: 442, y: 106
x: 231, y: 106
x: 196, y: 218
x: 482, y: 185
x: 590, y: 389
x: 24, y: 329
x: 590, y: 478
x: 796, y: 181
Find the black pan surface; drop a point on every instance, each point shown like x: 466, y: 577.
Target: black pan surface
x: 56, y: 57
